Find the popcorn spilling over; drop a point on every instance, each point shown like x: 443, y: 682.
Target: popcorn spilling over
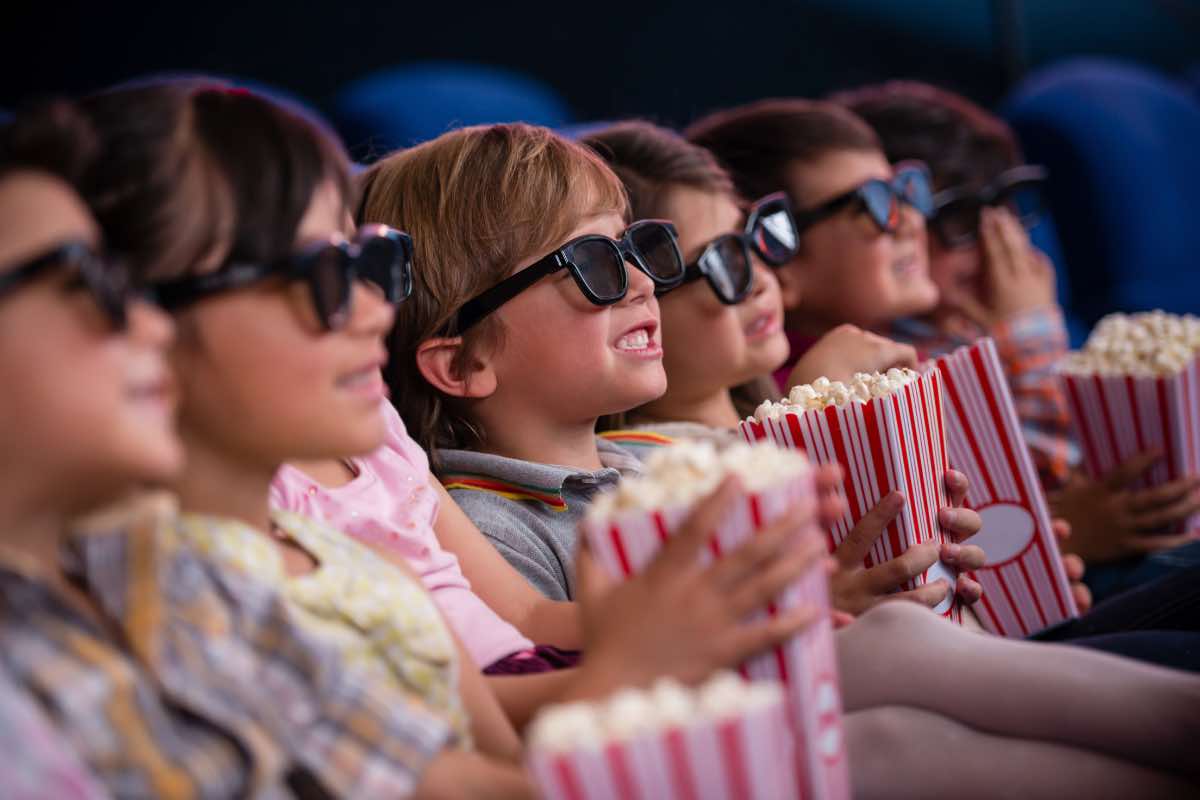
x: 631, y: 713
x: 864, y: 387
x: 1149, y: 343
x: 684, y: 472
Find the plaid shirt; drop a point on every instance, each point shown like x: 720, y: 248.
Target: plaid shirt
x: 1029, y: 345
x: 226, y: 694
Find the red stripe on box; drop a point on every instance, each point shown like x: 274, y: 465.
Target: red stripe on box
x: 618, y: 763
x: 571, y: 786
x: 734, y: 759
x: 839, y: 448
x: 991, y: 611
x: 614, y: 535
x: 1037, y: 604
x: 921, y: 479
x: 681, y: 770
x: 1168, y: 446
x: 660, y: 527
x: 875, y: 440
x: 1131, y: 390
x: 1092, y: 452
x: 1106, y: 415
x: 1007, y: 447
x: 914, y: 507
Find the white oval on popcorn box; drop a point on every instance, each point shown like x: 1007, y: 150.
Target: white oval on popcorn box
x: 1008, y: 531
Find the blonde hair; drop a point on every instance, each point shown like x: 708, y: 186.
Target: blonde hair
x: 477, y: 201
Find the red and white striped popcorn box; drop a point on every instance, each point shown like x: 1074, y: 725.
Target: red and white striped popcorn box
x: 1118, y: 416
x: 744, y: 757
x: 1025, y: 587
x: 807, y: 664
x: 895, y: 442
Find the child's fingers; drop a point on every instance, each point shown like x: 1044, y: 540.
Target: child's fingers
x: 960, y: 523
x: 1161, y: 518
x: 1014, y: 240
x: 1074, y: 566
x: 930, y: 595
x: 963, y: 556
x: 1166, y: 494
x: 1156, y: 544
x: 769, y: 583
x: 1131, y: 470
x: 757, y: 553
x: 891, y: 575
x: 1061, y: 529
x: 851, y: 552
x: 1083, y: 597
x: 957, y: 486
x: 749, y: 640
x: 967, y: 590
x: 994, y: 262
x: 680, y: 552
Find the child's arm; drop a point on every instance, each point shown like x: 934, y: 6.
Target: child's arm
x: 464, y: 775
x: 499, y: 585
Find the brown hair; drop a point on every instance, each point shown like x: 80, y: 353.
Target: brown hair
x: 53, y: 138
x: 757, y: 142
x: 960, y: 141
x: 192, y: 169
x: 477, y: 201
x: 650, y: 161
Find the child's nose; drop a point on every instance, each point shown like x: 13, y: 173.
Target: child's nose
x: 640, y: 285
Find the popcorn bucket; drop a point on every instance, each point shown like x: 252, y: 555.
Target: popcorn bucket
x: 895, y: 442
x: 1025, y: 587
x: 1118, y: 416
x: 741, y: 758
x: 807, y: 664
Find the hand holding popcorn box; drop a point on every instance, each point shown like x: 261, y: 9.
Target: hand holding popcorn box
x: 1135, y: 386
x: 729, y: 740
x: 886, y: 432
x: 626, y: 529
x: 1025, y: 587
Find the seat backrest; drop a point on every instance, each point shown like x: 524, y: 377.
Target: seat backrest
x: 405, y: 105
x: 1122, y: 144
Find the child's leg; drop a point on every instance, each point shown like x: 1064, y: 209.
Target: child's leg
x: 897, y: 752
x: 900, y: 654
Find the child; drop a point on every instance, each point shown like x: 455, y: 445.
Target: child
x: 669, y: 178
x: 164, y: 674
x: 994, y: 282
x: 516, y: 194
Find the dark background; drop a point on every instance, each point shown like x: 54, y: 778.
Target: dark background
x: 669, y: 60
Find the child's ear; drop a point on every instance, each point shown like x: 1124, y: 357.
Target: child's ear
x: 436, y: 361
x: 791, y: 283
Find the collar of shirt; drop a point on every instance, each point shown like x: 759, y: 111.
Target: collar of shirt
x: 530, y: 480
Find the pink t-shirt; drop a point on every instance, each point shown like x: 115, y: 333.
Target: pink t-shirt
x: 391, y: 502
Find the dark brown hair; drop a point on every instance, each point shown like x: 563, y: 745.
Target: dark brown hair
x: 477, y: 201
x: 960, y: 141
x: 53, y: 138
x: 650, y: 161
x: 192, y: 171
x: 757, y: 143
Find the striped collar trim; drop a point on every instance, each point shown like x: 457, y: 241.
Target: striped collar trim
x: 636, y: 438
x: 550, y: 497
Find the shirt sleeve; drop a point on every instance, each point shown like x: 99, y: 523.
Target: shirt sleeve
x: 1030, y: 344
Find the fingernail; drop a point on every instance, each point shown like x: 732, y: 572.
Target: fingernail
x: 953, y: 551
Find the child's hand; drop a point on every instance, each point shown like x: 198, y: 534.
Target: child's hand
x: 682, y: 619
x: 1073, y: 565
x: 846, y: 350
x: 1017, y: 277
x: 856, y: 588
x: 1111, y: 521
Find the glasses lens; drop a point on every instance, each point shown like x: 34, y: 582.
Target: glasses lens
x: 727, y: 264
x: 599, y: 264
x: 912, y: 184
x: 773, y: 231
x: 957, y: 223
x: 329, y: 280
x: 108, y: 282
x: 655, y: 245
x: 881, y: 203
x: 1025, y: 201
x: 382, y: 260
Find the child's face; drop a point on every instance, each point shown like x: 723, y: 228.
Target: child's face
x: 956, y: 270
x: 568, y: 360
x: 849, y: 270
x: 707, y: 345
x: 85, y: 406
x: 262, y: 379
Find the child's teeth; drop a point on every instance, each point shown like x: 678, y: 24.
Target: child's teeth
x: 638, y: 340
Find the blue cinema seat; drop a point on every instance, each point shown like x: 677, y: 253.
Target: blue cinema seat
x: 1122, y: 144
x: 403, y: 106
